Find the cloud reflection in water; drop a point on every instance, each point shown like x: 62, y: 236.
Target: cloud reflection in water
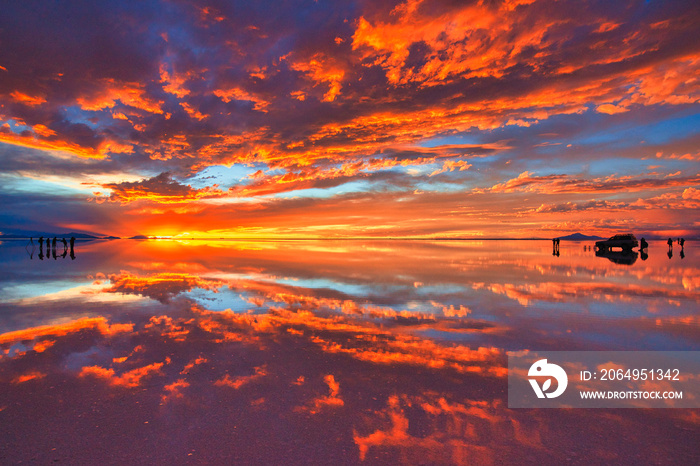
x: 332, y: 352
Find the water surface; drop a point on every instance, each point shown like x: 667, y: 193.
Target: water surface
x: 328, y: 351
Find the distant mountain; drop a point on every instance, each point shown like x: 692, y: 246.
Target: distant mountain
x: 111, y: 237
x: 10, y: 234
x: 580, y: 237
x: 139, y: 237
x: 79, y: 235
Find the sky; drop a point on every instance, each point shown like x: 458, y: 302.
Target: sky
x: 423, y: 118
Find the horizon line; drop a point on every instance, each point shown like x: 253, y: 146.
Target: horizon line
x: 344, y: 238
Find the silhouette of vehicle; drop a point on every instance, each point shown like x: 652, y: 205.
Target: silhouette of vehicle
x: 624, y: 257
x: 626, y: 242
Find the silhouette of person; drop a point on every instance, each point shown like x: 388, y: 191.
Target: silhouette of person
x: 65, y: 246
x: 682, y: 254
x: 31, y: 253
x: 72, y: 252
x: 643, y: 244
x: 555, y: 246
x: 670, y: 244
x: 681, y: 242
x: 53, y: 246
x: 41, y: 241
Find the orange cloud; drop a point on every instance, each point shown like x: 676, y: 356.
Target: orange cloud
x: 168, y: 328
x: 238, y: 382
x: 452, y: 165
x: 32, y: 375
x: 33, y: 142
x: 174, y: 390
x: 416, y: 351
x: 611, y: 109
x: 691, y: 193
x: 43, y: 131
x: 322, y: 402
x: 479, y: 40
x: 557, y: 184
x: 236, y: 93
x: 161, y: 286
x: 462, y: 311
x: 473, y: 432
x: 193, y: 363
x: 174, y: 83
x: 398, y: 349
x: 96, y: 323
x: 129, y: 94
x: 162, y: 189
x: 43, y: 345
x: 27, y: 99
x: 322, y: 69
x: 559, y: 292
x: 130, y: 379
x: 192, y: 112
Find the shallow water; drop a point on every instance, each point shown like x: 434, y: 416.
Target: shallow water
x: 328, y: 351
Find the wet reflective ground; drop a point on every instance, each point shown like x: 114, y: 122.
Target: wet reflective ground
x: 329, y: 352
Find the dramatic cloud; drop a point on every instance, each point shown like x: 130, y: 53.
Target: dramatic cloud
x: 555, y: 184
x: 146, y: 102
x: 99, y: 324
x: 128, y: 379
x: 161, y: 189
x: 161, y: 287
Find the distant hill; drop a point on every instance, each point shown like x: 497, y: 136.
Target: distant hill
x: 580, y: 237
x: 11, y: 234
x: 139, y: 237
x: 79, y: 235
x: 111, y: 237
